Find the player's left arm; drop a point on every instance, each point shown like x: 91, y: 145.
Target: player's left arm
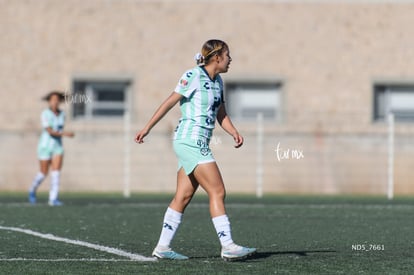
x: 164, y: 108
x: 225, y: 123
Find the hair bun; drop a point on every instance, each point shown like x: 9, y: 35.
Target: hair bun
x: 199, y: 58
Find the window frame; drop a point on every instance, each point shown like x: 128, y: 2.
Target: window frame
x: 255, y: 83
x: 91, y: 80
x: 381, y: 91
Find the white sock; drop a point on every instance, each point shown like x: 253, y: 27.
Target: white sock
x: 37, y: 181
x: 172, y: 220
x: 222, y: 225
x: 54, y: 185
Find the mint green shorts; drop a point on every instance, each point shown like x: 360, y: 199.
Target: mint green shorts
x: 47, y: 152
x: 191, y: 153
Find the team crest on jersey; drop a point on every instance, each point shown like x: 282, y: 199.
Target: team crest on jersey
x: 204, y: 149
x: 183, y: 82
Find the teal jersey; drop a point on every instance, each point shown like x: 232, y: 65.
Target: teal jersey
x: 56, y: 122
x: 201, y: 100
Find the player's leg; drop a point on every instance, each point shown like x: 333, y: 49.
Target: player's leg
x: 186, y: 187
x: 56, y: 166
x: 44, y: 155
x: 209, y: 177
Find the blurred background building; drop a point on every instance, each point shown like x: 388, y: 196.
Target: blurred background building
x: 323, y: 74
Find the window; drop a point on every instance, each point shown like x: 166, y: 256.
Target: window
x: 246, y: 99
x: 99, y: 98
x: 395, y: 98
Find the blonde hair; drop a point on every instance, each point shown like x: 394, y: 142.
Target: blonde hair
x: 210, y: 48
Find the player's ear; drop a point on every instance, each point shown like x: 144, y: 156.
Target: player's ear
x: 218, y: 58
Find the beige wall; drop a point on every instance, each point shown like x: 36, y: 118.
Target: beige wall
x: 327, y: 55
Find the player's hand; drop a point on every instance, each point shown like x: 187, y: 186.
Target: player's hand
x: 69, y: 134
x: 139, y: 138
x: 238, y: 139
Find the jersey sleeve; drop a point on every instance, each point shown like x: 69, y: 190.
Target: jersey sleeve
x: 188, y: 83
x: 45, y: 119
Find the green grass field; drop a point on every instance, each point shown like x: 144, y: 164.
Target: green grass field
x: 294, y: 235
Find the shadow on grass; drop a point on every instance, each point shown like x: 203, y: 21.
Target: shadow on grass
x: 266, y: 254
x: 302, y: 253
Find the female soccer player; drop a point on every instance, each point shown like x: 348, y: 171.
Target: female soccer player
x: 50, y: 149
x: 200, y: 93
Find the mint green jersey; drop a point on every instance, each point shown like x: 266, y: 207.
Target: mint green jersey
x: 201, y: 100
x: 56, y: 122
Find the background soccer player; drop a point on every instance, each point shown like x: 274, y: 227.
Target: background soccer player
x: 200, y: 93
x: 50, y: 148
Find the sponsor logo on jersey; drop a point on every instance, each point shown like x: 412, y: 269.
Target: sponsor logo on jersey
x: 183, y: 82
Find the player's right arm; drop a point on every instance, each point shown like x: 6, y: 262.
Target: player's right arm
x: 158, y: 115
x: 59, y: 134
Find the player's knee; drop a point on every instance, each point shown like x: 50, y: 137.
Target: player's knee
x: 183, y: 199
x: 45, y: 172
x: 219, y: 193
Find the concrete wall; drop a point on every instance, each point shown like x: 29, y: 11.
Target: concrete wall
x: 328, y: 55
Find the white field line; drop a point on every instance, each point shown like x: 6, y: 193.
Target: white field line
x: 111, y: 250
x: 236, y: 205
x: 262, y: 205
x: 65, y: 260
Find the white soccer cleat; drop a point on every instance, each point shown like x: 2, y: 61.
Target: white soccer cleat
x: 236, y: 252
x: 55, y: 203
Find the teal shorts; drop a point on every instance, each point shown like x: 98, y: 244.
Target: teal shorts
x: 191, y: 153
x: 47, y: 152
